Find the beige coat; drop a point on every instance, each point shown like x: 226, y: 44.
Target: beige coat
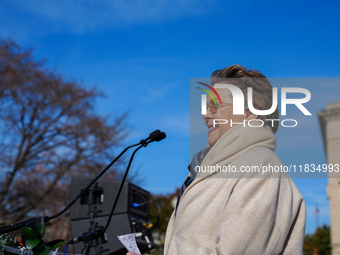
x: 239, y: 213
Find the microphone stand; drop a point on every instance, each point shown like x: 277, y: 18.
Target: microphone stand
x: 87, y: 237
x: 93, y: 181
x: 92, y: 212
x: 154, y: 136
x: 90, y: 236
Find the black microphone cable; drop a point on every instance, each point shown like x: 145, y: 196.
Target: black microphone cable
x: 93, y: 235
x: 93, y: 181
x: 156, y: 135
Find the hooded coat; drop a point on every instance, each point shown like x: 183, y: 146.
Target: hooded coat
x: 256, y: 209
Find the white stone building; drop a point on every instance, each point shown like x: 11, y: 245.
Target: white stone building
x: 330, y: 128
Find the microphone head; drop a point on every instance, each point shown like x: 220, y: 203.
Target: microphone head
x: 157, y: 135
x: 153, y: 136
x: 161, y: 136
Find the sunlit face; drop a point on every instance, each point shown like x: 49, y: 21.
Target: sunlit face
x: 224, y: 112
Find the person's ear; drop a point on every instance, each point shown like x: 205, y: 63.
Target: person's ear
x: 250, y: 115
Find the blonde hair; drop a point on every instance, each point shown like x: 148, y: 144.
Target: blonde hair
x: 262, y: 89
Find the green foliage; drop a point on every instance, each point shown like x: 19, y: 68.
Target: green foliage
x: 42, y: 249
x: 318, y: 243
x: 5, y: 240
x: 56, y: 243
x: 40, y: 227
x: 165, y: 202
x: 30, y: 244
x: 29, y: 233
x: 9, y: 240
x: 32, y: 239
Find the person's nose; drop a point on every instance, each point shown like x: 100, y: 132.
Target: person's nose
x: 207, y: 116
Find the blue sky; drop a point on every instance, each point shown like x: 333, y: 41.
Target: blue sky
x: 142, y: 54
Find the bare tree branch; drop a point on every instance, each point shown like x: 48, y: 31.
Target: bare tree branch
x: 49, y: 132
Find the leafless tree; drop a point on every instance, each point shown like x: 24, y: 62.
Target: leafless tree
x: 49, y: 131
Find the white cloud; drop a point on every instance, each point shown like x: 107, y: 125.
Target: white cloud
x: 78, y: 16
x: 179, y: 123
x: 156, y: 92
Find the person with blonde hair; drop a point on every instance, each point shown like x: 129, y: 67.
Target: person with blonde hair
x: 237, y: 212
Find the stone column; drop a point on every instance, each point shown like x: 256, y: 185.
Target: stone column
x: 330, y: 128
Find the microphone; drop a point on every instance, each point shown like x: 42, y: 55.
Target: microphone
x: 17, y: 226
x: 161, y: 137
x: 86, y: 237
x: 156, y: 135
